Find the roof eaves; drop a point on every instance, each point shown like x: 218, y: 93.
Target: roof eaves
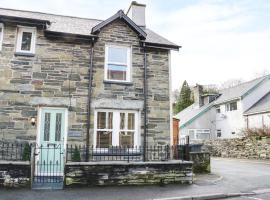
x: 32, y: 21
x: 227, y: 100
x: 49, y: 33
x: 120, y: 15
x: 163, y: 46
x: 254, y: 113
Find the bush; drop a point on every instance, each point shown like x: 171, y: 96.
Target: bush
x: 76, y: 156
x: 257, y: 132
x: 26, y: 152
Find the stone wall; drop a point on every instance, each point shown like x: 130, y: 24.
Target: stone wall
x: 123, y: 173
x: 250, y: 148
x: 201, y: 162
x: 131, y: 95
x: 15, y: 174
x: 57, y: 75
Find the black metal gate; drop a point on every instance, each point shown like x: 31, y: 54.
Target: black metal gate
x: 48, y: 166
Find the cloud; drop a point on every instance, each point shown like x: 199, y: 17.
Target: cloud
x: 218, y: 40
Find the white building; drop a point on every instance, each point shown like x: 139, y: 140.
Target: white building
x: 225, y: 115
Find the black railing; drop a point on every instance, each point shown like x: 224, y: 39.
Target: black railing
x: 116, y: 153
x: 15, y: 151
x: 77, y: 153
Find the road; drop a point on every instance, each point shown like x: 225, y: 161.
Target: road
x: 228, y: 175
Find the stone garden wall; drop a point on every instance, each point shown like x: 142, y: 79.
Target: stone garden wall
x: 250, y: 148
x: 123, y: 173
x: 201, y: 162
x: 15, y: 174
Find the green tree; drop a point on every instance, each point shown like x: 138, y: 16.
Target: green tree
x: 184, y: 99
x: 26, y: 152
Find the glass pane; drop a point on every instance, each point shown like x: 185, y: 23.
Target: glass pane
x: 58, y: 123
x: 26, y: 41
x: 104, y: 139
x: 122, y: 121
x: 126, y: 139
x: 131, y: 121
x: 118, y: 55
x: 116, y: 72
x: 110, y: 120
x: 47, y: 124
x: 101, y: 120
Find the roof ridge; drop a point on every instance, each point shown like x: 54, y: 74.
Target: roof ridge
x: 245, y: 82
x: 38, y: 12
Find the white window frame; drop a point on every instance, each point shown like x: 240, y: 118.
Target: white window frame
x: 116, y: 127
x: 1, y: 36
x: 129, y: 65
x: 197, y: 131
x: 20, y: 31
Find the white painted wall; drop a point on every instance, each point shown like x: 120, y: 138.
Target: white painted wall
x: 230, y: 121
x: 259, y: 120
x: 256, y: 95
x: 206, y: 121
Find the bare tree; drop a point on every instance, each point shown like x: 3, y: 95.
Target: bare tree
x: 231, y: 83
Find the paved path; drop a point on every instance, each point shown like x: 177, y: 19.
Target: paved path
x: 228, y: 175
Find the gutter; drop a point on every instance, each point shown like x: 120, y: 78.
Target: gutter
x: 89, y: 100
x: 255, y: 113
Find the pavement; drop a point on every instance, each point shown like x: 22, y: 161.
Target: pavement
x: 231, y: 178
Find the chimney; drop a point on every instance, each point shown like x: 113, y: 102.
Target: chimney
x: 198, y: 99
x: 136, y: 12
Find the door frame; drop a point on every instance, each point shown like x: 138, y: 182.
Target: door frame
x: 40, y: 109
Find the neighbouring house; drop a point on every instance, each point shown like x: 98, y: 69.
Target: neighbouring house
x: 226, y: 114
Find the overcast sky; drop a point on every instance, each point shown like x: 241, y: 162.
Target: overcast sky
x: 221, y: 39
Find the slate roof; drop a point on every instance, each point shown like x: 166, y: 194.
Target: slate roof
x: 238, y: 91
x: 77, y: 25
x: 261, y: 106
x: 190, y: 112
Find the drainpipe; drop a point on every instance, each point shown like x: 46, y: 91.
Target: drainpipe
x: 89, y: 101
x: 145, y: 104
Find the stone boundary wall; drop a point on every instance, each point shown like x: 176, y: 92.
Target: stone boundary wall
x: 245, y: 148
x: 201, y: 162
x: 123, y: 173
x: 15, y: 174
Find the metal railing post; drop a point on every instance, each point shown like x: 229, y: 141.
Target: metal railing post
x: 187, y: 149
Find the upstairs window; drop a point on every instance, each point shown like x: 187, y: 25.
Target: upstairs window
x: 218, y: 133
x: 26, y: 39
x: 231, y: 106
x: 1, y: 35
x: 218, y: 109
x: 117, y: 63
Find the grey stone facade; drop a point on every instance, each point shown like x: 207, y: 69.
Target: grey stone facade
x: 57, y: 75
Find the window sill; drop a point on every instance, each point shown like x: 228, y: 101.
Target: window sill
x: 117, y: 82
x: 24, y: 54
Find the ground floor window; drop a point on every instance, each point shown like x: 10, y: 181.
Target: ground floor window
x: 116, y: 128
x: 199, y: 134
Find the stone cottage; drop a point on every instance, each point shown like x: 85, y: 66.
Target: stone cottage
x: 67, y: 79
